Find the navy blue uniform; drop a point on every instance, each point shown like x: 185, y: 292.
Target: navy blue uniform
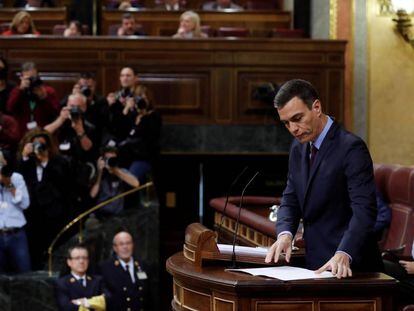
x: 125, y: 295
x: 68, y: 288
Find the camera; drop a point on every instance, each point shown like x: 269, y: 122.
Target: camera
x: 111, y: 162
x: 75, y: 113
x: 140, y: 103
x: 34, y: 82
x: 86, y: 91
x: 38, y: 147
x: 124, y: 93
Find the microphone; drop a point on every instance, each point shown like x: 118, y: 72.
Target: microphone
x: 233, y: 256
x: 227, y: 200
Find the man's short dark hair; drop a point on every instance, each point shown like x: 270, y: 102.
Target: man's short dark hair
x: 78, y: 246
x: 134, y: 71
x: 296, y: 88
x: 87, y: 75
x: 127, y: 16
x: 7, y: 171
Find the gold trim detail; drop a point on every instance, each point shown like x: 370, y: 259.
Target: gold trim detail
x: 188, y: 253
x: 333, y: 19
x: 245, y: 232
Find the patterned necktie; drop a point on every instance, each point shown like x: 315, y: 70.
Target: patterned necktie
x: 313, y: 152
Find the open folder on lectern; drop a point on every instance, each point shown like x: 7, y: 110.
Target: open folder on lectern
x: 285, y: 273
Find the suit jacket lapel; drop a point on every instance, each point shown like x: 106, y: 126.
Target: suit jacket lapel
x: 327, y: 144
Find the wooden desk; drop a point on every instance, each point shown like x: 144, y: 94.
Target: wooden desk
x: 211, y: 288
x: 162, y: 23
x: 44, y: 18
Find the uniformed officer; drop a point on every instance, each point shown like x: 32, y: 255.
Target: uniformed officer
x: 124, y: 277
x: 79, y: 291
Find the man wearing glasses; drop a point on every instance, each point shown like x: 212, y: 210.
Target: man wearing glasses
x: 77, y: 290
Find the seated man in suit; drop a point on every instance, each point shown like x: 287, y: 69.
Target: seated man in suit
x: 129, y: 27
x: 77, y: 290
x: 221, y: 5
x: 125, y: 277
x: 403, y: 271
x: 330, y: 186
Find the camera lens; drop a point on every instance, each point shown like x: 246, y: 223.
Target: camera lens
x: 75, y: 112
x: 38, y: 147
x: 112, y: 162
x: 86, y: 91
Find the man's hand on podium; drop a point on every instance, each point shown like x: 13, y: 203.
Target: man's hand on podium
x: 282, y: 245
x: 339, y: 265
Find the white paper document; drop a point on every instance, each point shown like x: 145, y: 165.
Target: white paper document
x: 242, y: 250
x: 285, y: 273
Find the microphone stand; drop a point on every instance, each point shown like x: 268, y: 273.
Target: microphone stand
x: 233, y: 256
x: 227, y: 200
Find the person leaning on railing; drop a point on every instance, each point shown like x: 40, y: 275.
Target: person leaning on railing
x: 111, y: 180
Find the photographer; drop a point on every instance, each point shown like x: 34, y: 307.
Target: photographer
x: 14, y: 198
x: 96, y: 111
x: 119, y: 124
x: 32, y: 103
x: 75, y: 134
x: 141, y: 147
x: 111, y: 181
x: 50, y: 184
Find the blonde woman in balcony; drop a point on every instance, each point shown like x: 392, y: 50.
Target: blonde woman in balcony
x: 189, y: 26
x: 22, y: 24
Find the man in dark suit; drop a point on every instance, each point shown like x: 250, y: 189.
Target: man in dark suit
x: 124, y: 277
x: 79, y: 291
x: 330, y: 186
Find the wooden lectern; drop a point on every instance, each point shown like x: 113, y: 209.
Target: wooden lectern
x: 201, y: 283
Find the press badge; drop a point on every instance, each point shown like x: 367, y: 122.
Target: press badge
x: 5, y: 205
x: 31, y: 125
x: 142, y: 275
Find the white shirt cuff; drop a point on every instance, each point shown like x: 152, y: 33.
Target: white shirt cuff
x: 342, y: 252
x: 285, y: 232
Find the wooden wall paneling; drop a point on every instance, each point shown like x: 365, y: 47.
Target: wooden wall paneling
x: 222, y: 94
x: 252, y: 111
x: 195, y: 82
x: 180, y: 95
x: 110, y: 79
x: 44, y: 18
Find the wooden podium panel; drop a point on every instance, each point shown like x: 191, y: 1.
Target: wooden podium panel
x: 211, y: 288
